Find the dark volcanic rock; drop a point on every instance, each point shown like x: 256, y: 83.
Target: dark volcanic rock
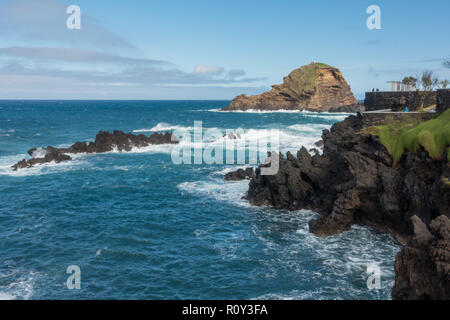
x: 423, y: 266
x: 356, y: 182
x: 51, y: 156
x: 31, y: 151
x: 104, y: 142
x: 319, y: 143
x: 288, y: 189
x: 240, y: 174
x: 159, y: 138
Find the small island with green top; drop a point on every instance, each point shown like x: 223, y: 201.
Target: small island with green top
x: 314, y: 87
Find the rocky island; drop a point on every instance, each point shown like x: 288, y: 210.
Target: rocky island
x: 314, y: 87
x: 389, y: 175
x: 104, y: 142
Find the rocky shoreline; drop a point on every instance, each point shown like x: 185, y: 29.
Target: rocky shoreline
x: 422, y: 267
x: 356, y: 181
x: 104, y: 142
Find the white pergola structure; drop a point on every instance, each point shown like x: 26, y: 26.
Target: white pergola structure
x: 399, y: 86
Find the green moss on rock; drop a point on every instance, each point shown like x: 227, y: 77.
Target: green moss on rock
x: 302, y: 81
x: 433, y: 135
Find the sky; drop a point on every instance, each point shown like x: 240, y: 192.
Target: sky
x: 212, y: 50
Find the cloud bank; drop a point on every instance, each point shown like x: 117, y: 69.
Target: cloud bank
x: 43, y: 52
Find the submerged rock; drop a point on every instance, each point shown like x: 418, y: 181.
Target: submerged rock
x: 51, y: 156
x: 240, y: 174
x: 104, y: 142
x: 314, y: 87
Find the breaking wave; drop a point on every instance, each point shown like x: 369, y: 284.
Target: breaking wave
x: 163, y: 127
x: 20, y: 289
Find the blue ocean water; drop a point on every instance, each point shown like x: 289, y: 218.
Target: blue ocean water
x: 142, y: 227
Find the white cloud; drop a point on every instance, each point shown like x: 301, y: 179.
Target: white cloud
x: 138, y: 75
x: 208, y: 70
x: 40, y: 55
x: 74, y: 55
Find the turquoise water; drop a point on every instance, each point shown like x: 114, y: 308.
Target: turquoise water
x: 141, y: 227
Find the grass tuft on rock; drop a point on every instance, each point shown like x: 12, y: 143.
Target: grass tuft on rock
x: 446, y: 182
x: 433, y: 135
x: 323, y: 65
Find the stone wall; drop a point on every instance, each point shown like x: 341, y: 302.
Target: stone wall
x: 376, y: 119
x: 443, y: 100
x: 397, y: 101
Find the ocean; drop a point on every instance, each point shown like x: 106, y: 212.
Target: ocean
x: 139, y: 226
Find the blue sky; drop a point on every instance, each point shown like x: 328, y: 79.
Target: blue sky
x: 210, y: 49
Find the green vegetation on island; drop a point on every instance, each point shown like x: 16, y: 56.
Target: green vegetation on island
x: 314, y: 87
x: 302, y: 81
x: 446, y: 182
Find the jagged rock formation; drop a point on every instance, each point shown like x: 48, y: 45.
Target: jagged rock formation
x: 356, y: 181
x: 104, y: 142
x: 50, y: 156
x: 314, y: 87
x: 240, y: 174
x: 422, y: 268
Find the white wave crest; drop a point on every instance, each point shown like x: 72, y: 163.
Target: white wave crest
x: 218, y: 189
x: 39, y: 153
x: 303, y: 112
x: 162, y: 126
x: 21, y: 289
x: 257, y: 111
x: 256, y: 139
x: 41, y: 169
x: 331, y: 116
x: 309, y: 127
